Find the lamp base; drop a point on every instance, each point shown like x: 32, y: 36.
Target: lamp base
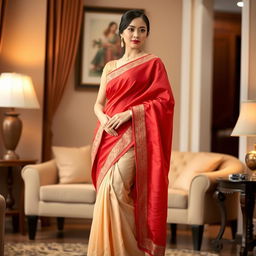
x: 12, y: 127
x: 10, y: 155
x: 250, y: 160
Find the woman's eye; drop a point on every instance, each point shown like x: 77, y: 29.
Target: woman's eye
x: 143, y: 30
x: 131, y: 29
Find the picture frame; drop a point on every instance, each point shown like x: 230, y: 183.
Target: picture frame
x: 99, y: 43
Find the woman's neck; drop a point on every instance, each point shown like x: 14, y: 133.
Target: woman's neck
x: 132, y: 54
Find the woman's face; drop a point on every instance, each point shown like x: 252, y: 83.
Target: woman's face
x: 135, y: 34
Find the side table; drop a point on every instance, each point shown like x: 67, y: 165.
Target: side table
x: 247, y: 191
x: 18, y: 218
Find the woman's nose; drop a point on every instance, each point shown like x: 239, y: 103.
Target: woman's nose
x: 136, y: 33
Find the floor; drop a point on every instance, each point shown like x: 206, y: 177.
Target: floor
x: 78, y: 231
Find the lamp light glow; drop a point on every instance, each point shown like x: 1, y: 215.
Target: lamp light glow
x: 246, y: 123
x: 16, y: 91
x: 240, y: 4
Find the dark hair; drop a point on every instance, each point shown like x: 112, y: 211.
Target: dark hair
x: 106, y: 32
x: 131, y: 15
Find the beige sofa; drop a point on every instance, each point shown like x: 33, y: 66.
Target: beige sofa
x: 190, y: 198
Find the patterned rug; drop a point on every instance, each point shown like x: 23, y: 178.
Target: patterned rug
x: 73, y: 249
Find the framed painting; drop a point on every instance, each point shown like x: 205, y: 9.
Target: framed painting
x: 100, y: 43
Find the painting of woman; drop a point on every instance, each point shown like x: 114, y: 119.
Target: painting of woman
x: 108, y: 49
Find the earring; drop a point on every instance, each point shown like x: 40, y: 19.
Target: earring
x: 122, y: 42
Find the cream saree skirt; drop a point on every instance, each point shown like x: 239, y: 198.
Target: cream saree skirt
x: 113, y: 227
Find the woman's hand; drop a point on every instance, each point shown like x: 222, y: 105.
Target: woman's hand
x: 103, y: 121
x: 103, y: 118
x: 118, y: 119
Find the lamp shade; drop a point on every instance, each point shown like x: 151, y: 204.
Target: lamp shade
x: 17, y: 91
x: 246, y: 123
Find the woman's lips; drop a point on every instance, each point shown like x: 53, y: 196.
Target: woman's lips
x: 135, y: 41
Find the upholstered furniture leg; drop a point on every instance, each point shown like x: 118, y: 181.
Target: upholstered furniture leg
x: 233, y: 226
x: 173, y: 228
x: 197, y: 234
x: 32, y: 225
x: 60, y: 223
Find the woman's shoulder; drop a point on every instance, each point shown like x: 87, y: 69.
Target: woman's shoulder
x: 155, y: 57
x: 156, y: 60
x: 110, y: 66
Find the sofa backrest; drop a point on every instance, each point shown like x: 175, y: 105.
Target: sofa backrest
x: 180, y: 162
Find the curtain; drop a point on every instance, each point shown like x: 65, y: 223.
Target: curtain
x: 3, y: 4
x: 64, y: 18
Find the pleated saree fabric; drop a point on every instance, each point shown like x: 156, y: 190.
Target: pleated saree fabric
x: 130, y: 213
x: 113, y: 227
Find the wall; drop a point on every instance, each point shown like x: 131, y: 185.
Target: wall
x: 23, y: 51
x: 206, y: 77
x: 196, y: 79
x: 252, y: 50
x: 252, y: 65
x: 75, y: 121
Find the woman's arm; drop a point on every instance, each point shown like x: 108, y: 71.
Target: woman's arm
x: 100, y: 103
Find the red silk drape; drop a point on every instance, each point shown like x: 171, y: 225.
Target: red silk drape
x: 64, y: 18
x: 141, y: 85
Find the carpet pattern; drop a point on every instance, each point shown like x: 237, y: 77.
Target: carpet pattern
x: 74, y: 249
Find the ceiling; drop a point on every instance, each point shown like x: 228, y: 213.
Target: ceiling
x: 227, y: 6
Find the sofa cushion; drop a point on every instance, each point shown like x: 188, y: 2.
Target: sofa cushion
x: 177, y: 198
x: 68, y: 193
x: 202, y: 162
x: 74, y: 164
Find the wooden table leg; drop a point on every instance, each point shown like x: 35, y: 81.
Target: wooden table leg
x: 9, y: 197
x: 220, y: 199
x: 247, y: 205
x: 10, y: 201
x: 21, y: 211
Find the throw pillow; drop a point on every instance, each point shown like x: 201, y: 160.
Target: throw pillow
x: 74, y: 164
x: 201, y: 163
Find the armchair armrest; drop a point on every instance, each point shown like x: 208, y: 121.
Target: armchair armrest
x: 235, y: 167
x: 34, y: 176
x: 206, y: 183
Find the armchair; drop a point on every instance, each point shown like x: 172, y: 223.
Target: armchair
x: 46, y: 196
x: 190, y: 198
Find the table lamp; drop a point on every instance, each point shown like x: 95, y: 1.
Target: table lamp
x: 16, y: 91
x: 246, y: 126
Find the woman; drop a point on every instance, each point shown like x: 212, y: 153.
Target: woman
x: 131, y: 149
x: 109, y: 48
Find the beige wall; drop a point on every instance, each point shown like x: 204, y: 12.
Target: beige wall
x: 75, y: 121
x: 196, y: 79
x: 23, y: 52
x: 206, y: 76
x: 252, y: 64
x: 252, y: 50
